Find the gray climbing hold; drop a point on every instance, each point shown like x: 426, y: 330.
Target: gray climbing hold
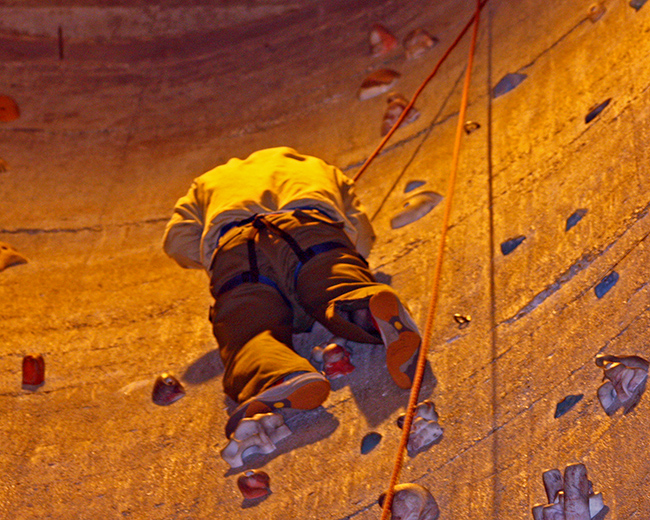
x: 595, y: 111
x: 566, y: 404
x: 507, y: 83
x: 606, y: 284
x: 509, y: 246
x: 370, y: 442
x: 637, y: 4
x: 575, y: 218
x: 413, y: 185
x: 415, y: 207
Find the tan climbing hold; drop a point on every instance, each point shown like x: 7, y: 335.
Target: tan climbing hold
x: 377, y: 83
x: 415, y: 207
x: 396, y: 105
x: 9, y: 256
x: 417, y: 42
x: 8, y: 109
x: 596, y: 11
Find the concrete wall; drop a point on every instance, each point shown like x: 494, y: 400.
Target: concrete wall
x: 99, y: 21
x: 113, y: 129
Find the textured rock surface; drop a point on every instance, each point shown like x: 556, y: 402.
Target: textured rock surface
x: 112, y: 134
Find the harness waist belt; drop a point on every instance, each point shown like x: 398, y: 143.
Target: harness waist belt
x: 304, y: 255
x: 249, y: 277
x: 238, y: 223
x: 252, y: 277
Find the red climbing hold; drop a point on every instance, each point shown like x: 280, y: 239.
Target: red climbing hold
x: 8, y: 109
x: 33, y: 370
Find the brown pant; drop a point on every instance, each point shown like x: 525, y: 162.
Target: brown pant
x: 253, y: 322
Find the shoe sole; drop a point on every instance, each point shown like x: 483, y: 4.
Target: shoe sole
x: 302, y: 393
x: 402, y: 342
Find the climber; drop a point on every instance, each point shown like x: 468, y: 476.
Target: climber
x: 284, y: 240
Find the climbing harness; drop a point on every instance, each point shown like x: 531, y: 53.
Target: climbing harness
x: 426, y: 337
x: 261, y: 221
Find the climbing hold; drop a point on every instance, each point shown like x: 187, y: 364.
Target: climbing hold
x: 470, y: 126
x: 412, y: 502
x: 257, y: 434
x: 507, y: 83
x: 575, y: 217
x: 596, y: 11
x: 509, y: 246
x: 254, y: 484
x: 412, y: 185
x: 595, y: 111
x: 378, y: 82
x: 9, y: 256
x: 462, y: 320
x: 167, y: 390
x: 33, y: 370
x: 8, y: 109
x: 382, y: 41
x: 417, y: 42
x: 637, y: 4
x: 626, y: 381
x: 425, y: 430
x: 566, y: 404
x: 415, y: 207
x: 370, y: 442
x: 396, y: 105
x: 571, y: 497
x: 597, y: 508
x: 608, y: 398
x: 576, y: 492
x: 334, y: 358
x: 606, y: 284
x: 4, y: 166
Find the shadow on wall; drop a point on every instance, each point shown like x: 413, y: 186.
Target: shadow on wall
x: 205, y: 368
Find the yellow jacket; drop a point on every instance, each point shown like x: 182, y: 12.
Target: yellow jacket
x: 269, y: 180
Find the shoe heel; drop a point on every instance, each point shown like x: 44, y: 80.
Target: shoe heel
x: 384, y: 305
x: 399, y: 358
x: 397, y: 332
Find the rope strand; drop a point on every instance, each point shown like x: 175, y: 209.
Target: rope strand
x: 426, y: 337
x: 408, y: 107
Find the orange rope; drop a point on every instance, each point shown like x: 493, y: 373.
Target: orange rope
x: 426, y: 337
x: 417, y: 93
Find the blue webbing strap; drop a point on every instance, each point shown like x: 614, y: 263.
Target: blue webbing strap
x: 248, y: 278
x: 253, y: 274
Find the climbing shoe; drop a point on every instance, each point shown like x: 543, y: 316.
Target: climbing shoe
x: 400, y: 335
x: 302, y: 390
